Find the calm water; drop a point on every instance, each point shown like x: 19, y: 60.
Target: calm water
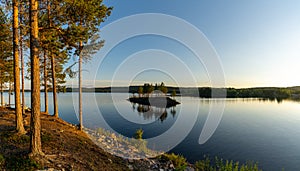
x: 264, y: 131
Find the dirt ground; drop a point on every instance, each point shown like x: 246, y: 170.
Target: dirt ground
x: 65, y: 147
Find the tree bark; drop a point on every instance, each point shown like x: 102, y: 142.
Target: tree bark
x: 19, y: 118
x: 45, y: 84
x: 22, y: 66
x: 9, y: 92
x: 55, y: 104
x: 35, y: 124
x: 1, y: 91
x: 79, y: 87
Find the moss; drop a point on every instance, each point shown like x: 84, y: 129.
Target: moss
x: 21, y: 163
x: 19, y: 139
x: 2, y: 160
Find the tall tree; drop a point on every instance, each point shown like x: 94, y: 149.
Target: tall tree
x: 83, y: 19
x: 35, y: 124
x: 22, y: 15
x: 45, y: 84
x: 18, y: 111
x: 50, y: 23
x: 5, y: 50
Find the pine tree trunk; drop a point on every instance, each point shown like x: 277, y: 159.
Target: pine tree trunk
x: 35, y: 124
x: 9, y: 92
x: 80, y: 89
x: 23, y: 79
x: 22, y: 66
x: 55, y: 105
x: 45, y: 84
x: 18, y: 112
x: 1, y: 91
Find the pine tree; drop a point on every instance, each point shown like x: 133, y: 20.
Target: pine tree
x: 35, y: 124
x: 18, y: 111
x: 83, y: 19
x: 54, y: 49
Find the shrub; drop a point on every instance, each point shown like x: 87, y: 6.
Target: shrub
x: 221, y: 165
x: 139, y: 134
x: 178, y: 160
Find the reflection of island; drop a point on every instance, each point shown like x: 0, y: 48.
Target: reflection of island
x: 153, y: 102
x: 148, y: 112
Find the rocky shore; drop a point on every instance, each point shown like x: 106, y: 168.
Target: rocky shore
x: 134, y: 152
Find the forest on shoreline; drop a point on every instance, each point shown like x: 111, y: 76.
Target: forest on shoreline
x: 206, y: 92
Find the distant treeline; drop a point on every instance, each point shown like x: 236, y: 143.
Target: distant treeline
x: 206, y: 92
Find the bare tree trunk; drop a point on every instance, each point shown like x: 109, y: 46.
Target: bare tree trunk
x: 9, y: 92
x: 55, y: 105
x: 45, y: 83
x: 35, y: 124
x: 19, y: 118
x: 22, y: 66
x: 54, y: 87
x: 80, y: 88
x: 1, y: 91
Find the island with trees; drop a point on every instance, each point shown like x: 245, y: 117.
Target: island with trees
x: 154, y: 96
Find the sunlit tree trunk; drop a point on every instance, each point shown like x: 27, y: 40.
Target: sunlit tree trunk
x: 9, y: 93
x: 45, y: 84
x: 1, y: 92
x: 18, y: 112
x: 22, y: 66
x: 35, y: 124
x: 55, y: 105
x: 80, y: 88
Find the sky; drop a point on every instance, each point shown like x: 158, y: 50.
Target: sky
x: 256, y: 44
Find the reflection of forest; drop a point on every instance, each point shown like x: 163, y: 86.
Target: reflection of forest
x: 148, y: 112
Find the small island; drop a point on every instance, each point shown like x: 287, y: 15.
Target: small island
x: 154, y: 96
x: 162, y: 102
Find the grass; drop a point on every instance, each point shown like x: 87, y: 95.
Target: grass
x: 21, y: 163
x: 179, y: 161
x: 2, y: 161
x: 217, y: 164
x: 19, y: 139
x: 139, y: 134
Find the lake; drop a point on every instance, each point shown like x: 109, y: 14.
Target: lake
x: 250, y: 129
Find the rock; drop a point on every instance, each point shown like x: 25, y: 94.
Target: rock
x: 130, y: 160
x: 110, y: 160
x: 113, y: 136
x: 130, y: 167
x: 188, y: 168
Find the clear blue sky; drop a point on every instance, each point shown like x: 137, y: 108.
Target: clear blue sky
x: 258, y: 41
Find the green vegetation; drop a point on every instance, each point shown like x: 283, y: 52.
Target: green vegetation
x: 179, y: 161
x: 139, y: 134
x: 20, y: 139
x: 221, y: 165
x: 23, y: 163
x: 147, y: 89
x: 2, y: 161
x: 173, y: 93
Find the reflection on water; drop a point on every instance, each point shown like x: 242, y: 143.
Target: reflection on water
x: 261, y: 130
x: 148, y: 112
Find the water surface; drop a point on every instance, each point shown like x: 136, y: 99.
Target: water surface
x: 251, y: 129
